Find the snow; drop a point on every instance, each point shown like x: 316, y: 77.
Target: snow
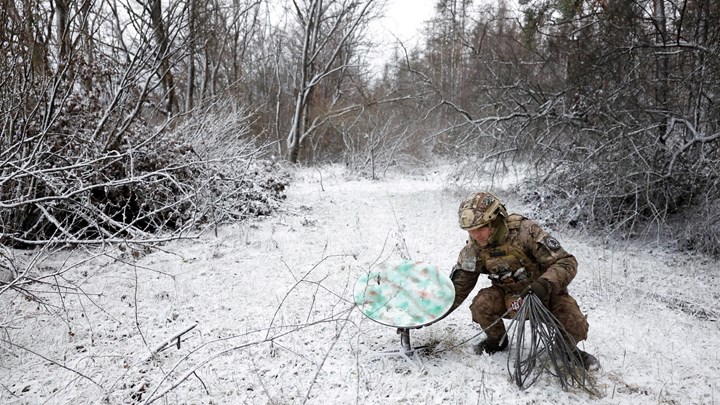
x: 272, y: 300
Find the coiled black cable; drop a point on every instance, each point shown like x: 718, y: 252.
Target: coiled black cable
x: 539, y: 342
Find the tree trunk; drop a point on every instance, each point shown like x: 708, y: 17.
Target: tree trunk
x: 63, y: 29
x: 191, y: 55
x: 163, y: 45
x: 662, y: 69
x: 302, y: 98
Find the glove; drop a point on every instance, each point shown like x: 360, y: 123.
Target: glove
x: 539, y: 287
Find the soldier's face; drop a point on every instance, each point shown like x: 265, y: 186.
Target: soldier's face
x: 481, y: 235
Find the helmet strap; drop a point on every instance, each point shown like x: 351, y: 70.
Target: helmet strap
x: 499, y: 231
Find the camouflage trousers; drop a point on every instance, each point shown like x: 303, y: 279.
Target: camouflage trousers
x: 490, y: 304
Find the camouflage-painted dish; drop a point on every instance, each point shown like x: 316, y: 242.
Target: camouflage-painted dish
x: 404, y: 294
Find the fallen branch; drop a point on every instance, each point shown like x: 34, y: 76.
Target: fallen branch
x: 177, y: 336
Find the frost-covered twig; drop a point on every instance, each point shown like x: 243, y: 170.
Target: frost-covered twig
x: 402, y: 243
x: 156, y: 394
x: 297, y: 283
x: 327, y: 354
x: 137, y: 319
x: 51, y: 361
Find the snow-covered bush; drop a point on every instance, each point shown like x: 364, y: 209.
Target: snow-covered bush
x: 631, y: 192
x: 62, y: 186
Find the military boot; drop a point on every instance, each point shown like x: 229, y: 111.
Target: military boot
x: 491, y: 346
x: 590, y: 362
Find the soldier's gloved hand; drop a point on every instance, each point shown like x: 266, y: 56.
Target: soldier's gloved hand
x: 539, y: 287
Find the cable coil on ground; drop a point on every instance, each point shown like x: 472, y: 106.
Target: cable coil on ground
x: 539, y: 342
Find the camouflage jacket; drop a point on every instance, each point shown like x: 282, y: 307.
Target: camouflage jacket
x: 515, y: 261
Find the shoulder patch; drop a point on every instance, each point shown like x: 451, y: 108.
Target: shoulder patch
x: 551, y: 243
x: 468, y: 258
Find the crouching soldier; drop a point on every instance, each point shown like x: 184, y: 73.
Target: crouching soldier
x: 518, y: 257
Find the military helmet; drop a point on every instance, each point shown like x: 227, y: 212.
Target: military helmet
x: 479, y: 209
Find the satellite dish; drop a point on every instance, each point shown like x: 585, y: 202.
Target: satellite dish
x: 405, y: 295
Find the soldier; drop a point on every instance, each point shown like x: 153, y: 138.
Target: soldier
x: 519, y: 257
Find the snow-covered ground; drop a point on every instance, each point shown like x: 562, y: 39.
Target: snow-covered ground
x: 272, y: 301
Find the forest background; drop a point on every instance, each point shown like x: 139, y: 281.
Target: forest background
x: 117, y: 114
x: 123, y: 119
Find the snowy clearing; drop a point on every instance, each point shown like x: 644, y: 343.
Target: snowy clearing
x: 272, y: 300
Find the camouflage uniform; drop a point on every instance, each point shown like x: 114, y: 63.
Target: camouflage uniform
x: 519, y: 253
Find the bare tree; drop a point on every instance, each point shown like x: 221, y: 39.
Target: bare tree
x: 330, y: 30
x: 162, y: 37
